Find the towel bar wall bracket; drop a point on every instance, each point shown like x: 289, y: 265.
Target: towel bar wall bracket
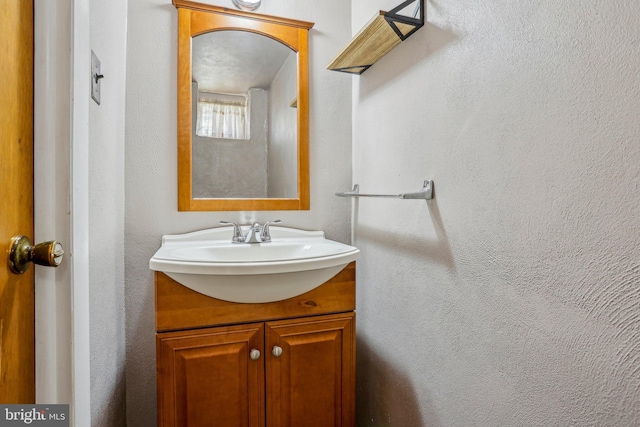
x: 425, y: 194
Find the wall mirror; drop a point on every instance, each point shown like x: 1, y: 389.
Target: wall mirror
x: 243, y: 110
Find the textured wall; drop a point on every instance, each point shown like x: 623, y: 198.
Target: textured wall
x: 106, y: 215
x: 513, y: 298
x: 150, y: 166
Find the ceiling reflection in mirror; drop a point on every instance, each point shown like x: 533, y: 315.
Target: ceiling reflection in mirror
x: 245, y: 127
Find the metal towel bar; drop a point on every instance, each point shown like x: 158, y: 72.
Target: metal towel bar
x: 425, y: 194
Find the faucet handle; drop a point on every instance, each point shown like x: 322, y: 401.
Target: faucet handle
x: 266, y: 237
x: 238, y: 237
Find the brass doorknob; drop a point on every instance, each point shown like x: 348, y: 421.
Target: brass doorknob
x: 22, y: 254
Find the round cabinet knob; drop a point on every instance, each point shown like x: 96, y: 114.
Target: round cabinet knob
x: 255, y: 354
x: 277, y: 351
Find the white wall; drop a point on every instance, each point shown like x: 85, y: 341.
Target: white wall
x: 150, y: 163
x: 283, y: 135
x: 512, y: 298
x: 108, y: 31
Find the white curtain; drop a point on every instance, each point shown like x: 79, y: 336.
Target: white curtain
x: 221, y: 119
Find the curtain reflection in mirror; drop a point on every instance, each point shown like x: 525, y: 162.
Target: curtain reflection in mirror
x: 222, y: 118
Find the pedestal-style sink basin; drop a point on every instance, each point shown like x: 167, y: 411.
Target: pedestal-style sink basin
x: 294, y: 262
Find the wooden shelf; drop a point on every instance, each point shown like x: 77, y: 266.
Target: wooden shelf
x: 383, y: 32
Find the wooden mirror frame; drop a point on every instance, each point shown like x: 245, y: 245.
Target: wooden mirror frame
x: 195, y: 19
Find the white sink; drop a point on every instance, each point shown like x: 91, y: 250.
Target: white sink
x: 294, y: 262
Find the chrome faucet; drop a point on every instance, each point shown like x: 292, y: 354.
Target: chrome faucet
x: 266, y: 237
x: 256, y: 234
x: 238, y: 237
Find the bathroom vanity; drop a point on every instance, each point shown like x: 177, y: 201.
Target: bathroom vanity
x: 280, y: 363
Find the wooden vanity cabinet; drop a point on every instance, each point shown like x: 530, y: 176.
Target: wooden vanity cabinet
x: 312, y: 382
x: 207, y: 377
x: 212, y: 375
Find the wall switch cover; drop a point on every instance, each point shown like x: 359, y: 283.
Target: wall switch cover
x: 96, y: 76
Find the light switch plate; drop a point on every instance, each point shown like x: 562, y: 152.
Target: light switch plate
x: 96, y: 76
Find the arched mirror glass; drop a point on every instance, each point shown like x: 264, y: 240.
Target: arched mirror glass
x: 242, y: 110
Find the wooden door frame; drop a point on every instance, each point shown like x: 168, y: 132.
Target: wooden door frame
x: 61, y: 134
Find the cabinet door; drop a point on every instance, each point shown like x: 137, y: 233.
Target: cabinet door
x: 208, y: 377
x: 311, y: 374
